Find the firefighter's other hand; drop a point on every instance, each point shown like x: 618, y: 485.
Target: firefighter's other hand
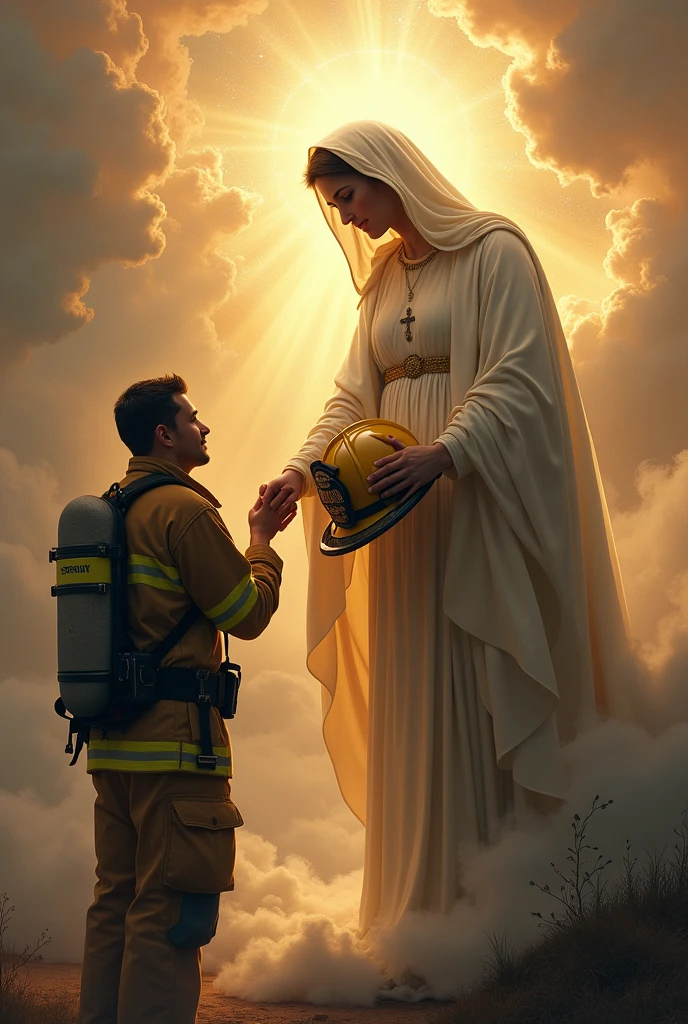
x: 264, y: 522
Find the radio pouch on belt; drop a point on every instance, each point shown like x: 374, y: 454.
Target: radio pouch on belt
x: 104, y: 682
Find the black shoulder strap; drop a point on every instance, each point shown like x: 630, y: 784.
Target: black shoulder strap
x: 175, y: 634
x: 124, y: 498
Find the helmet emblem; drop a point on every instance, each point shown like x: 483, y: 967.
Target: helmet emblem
x: 333, y: 494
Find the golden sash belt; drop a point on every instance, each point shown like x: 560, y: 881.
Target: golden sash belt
x: 415, y: 366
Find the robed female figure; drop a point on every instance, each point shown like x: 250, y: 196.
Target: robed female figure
x: 460, y: 650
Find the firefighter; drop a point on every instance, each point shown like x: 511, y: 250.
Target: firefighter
x: 164, y: 821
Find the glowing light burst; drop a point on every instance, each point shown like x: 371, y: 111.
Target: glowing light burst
x: 301, y: 71
x: 398, y: 88
x: 307, y: 306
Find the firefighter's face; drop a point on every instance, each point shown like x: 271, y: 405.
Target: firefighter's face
x: 189, y: 436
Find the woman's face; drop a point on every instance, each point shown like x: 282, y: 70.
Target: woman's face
x: 367, y: 203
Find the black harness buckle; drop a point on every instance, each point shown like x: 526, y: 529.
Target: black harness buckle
x: 206, y: 759
x: 138, y: 675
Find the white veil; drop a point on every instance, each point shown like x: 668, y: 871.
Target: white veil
x: 436, y: 208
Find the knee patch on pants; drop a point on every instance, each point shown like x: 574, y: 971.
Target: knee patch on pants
x: 197, y: 920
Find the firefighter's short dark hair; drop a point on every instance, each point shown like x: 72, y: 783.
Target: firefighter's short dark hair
x: 143, y: 407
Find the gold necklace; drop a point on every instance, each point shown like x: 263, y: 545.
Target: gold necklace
x: 420, y: 267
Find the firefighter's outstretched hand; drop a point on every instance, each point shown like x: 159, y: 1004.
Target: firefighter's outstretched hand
x: 265, y: 522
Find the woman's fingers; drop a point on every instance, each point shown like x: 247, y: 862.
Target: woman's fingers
x: 287, y: 510
x: 271, y: 490
x: 287, y: 519
x: 385, y: 466
x: 398, y: 481
x: 399, y: 488
x: 283, y: 498
x: 387, y: 459
x: 392, y: 441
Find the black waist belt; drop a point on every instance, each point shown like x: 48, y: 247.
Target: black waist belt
x: 186, y: 684
x: 195, y: 686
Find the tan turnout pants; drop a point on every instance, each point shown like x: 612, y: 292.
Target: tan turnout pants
x: 165, y: 850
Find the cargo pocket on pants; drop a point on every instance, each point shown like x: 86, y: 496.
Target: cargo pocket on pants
x: 199, y: 863
x: 201, y: 846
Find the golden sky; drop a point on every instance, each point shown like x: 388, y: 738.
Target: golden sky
x: 154, y: 220
x: 274, y: 87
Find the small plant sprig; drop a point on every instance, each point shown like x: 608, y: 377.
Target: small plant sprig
x: 13, y: 960
x: 582, y: 888
x: 500, y: 963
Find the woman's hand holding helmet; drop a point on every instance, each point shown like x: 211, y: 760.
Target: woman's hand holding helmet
x: 407, y: 469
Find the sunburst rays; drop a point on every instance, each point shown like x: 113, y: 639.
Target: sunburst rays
x: 308, y: 67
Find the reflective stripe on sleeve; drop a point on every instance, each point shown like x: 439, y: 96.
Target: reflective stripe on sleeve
x: 154, y: 756
x: 236, y: 605
x: 152, y: 572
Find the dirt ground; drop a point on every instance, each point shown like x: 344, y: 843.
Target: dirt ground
x: 219, y: 1009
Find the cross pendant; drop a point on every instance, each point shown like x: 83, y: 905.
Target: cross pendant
x: 407, y: 321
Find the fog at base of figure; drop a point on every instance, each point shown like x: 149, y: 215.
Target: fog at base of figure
x: 286, y: 935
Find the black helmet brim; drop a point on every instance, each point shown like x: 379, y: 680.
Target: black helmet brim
x: 330, y: 545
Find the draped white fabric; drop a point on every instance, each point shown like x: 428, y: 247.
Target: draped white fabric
x: 460, y: 649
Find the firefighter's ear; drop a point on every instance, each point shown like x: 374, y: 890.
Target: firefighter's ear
x: 162, y: 435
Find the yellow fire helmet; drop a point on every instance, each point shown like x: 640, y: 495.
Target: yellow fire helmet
x: 341, y: 478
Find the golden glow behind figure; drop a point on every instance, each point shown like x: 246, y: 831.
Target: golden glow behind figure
x: 300, y: 72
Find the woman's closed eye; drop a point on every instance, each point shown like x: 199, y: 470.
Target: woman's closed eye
x: 343, y: 199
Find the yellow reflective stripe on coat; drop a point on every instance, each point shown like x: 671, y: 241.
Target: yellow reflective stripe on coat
x: 153, y: 573
x: 154, y: 756
x: 236, y: 605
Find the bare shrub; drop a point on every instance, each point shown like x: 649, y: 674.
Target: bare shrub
x: 20, y: 1003
x: 615, y: 953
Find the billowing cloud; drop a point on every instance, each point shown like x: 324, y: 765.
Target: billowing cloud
x: 166, y: 65
x: 46, y: 841
x: 143, y: 38
x: 109, y: 26
x: 92, y: 95
x: 284, y: 786
x: 152, y: 319
x: 81, y: 148
x: 286, y: 932
x: 631, y: 355
x: 29, y: 506
x: 653, y: 548
x: 597, y: 89
x: 287, y: 935
x: 300, y: 808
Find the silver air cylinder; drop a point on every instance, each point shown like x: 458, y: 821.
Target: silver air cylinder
x: 86, y: 611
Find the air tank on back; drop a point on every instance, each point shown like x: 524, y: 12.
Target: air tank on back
x: 86, y: 604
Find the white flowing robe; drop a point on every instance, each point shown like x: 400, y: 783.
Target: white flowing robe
x: 458, y: 651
